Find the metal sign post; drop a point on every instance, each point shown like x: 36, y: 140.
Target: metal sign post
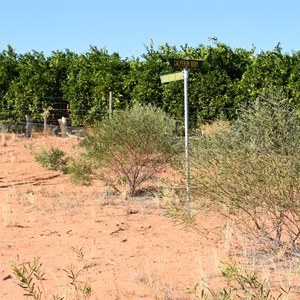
x: 184, y: 63
x: 186, y: 133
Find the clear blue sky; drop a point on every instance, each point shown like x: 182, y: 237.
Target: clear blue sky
x: 126, y: 26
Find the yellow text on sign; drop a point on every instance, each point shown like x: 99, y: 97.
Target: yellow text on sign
x: 171, y: 77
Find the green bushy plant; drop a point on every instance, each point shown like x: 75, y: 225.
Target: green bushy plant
x: 28, y: 275
x: 132, y: 147
x: 30, y: 278
x: 80, y: 171
x: 239, y: 283
x: 53, y: 159
x: 254, y: 171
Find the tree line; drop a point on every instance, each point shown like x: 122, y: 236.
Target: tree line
x: 229, y: 79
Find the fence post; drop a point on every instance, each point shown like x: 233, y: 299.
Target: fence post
x: 28, y: 126
x: 110, y: 104
x: 63, y: 127
x: 45, y: 120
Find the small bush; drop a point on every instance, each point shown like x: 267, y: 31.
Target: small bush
x: 132, y: 147
x: 53, y: 159
x: 80, y: 171
x: 30, y: 278
x: 238, y: 283
x: 254, y: 171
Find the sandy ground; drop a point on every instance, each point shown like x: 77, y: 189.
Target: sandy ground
x: 132, y: 250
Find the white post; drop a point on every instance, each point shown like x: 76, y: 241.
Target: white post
x: 186, y: 131
x: 45, y: 121
x: 110, y: 104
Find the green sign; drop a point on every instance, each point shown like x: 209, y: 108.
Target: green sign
x: 171, y: 77
x: 185, y: 63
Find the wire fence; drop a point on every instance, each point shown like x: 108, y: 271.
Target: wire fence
x: 22, y: 128
x: 46, y: 117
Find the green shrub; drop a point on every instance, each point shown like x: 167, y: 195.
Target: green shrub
x: 239, y: 283
x: 30, y: 278
x: 80, y: 171
x: 53, y: 159
x: 132, y: 147
x: 254, y: 171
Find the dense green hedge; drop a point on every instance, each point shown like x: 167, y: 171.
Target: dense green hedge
x: 228, y: 79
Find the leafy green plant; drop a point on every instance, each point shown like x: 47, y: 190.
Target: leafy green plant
x: 30, y: 278
x: 131, y: 148
x: 82, y: 291
x: 238, y: 283
x: 253, y: 169
x: 53, y: 159
x: 80, y: 171
x: 27, y: 275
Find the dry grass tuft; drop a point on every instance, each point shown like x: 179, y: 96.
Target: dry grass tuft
x: 209, y: 128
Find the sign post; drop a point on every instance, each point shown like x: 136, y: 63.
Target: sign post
x: 186, y: 133
x: 185, y: 64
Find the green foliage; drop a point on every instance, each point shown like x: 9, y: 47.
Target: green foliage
x: 8, y: 74
x: 253, y: 169
x: 213, y: 89
x: 146, y: 75
x: 270, y: 124
x: 228, y: 79
x: 27, y: 274
x: 53, y: 159
x: 267, y: 68
x: 80, y: 171
x: 82, y: 291
x: 90, y: 79
x: 239, y: 284
x: 180, y: 214
x: 30, y: 278
x: 132, y: 147
x: 34, y: 83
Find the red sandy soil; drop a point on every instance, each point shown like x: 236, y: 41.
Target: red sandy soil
x: 132, y: 250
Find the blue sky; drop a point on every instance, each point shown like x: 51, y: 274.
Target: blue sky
x: 127, y: 26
